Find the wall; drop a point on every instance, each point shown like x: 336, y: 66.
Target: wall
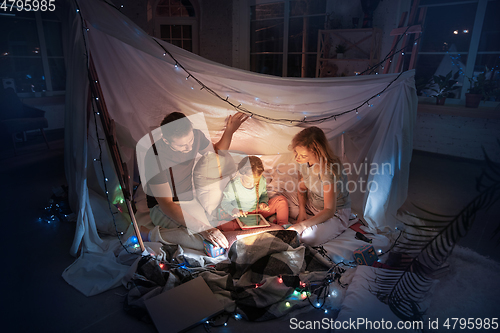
x: 386, y: 17
x: 216, y: 35
x: 458, y: 131
x: 136, y: 10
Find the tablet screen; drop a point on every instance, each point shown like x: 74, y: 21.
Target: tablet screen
x: 250, y: 220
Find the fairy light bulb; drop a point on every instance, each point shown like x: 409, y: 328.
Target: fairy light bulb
x: 287, y: 304
x: 280, y: 280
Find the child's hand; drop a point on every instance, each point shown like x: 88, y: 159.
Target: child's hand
x: 238, y: 213
x: 263, y: 206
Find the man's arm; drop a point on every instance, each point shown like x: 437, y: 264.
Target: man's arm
x: 233, y: 123
x: 163, y: 195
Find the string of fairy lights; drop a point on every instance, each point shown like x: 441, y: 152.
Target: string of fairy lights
x: 304, y: 119
x: 321, y: 289
x: 239, y: 107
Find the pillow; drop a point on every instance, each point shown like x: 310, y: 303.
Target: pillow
x: 211, y: 174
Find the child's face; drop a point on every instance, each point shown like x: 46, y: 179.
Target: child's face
x: 248, y: 179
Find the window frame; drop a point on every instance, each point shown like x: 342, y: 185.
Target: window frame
x: 473, y: 50
x: 286, y: 31
x: 44, y: 58
x: 180, y: 20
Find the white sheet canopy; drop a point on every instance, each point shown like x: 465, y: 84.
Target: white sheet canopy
x: 141, y: 85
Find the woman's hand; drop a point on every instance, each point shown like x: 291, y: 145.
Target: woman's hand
x: 238, y: 213
x: 299, y: 227
x: 215, y: 237
x: 264, y: 207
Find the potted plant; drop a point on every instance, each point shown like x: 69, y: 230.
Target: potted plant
x: 480, y: 89
x: 445, y: 86
x: 340, y: 49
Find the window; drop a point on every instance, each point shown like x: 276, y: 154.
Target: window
x: 284, y: 37
x: 462, y: 36
x: 175, y: 22
x: 31, y: 52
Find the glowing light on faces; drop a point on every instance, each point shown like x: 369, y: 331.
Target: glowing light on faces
x: 182, y: 144
x: 304, y: 155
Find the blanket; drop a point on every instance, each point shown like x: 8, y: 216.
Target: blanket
x: 260, y: 280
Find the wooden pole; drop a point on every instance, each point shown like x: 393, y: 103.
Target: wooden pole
x: 108, y: 127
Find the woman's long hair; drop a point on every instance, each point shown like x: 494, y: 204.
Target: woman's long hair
x: 314, y: 139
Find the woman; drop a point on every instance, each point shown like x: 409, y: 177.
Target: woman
x: 323, y: 205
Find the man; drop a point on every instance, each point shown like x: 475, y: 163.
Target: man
x: 175, y: 155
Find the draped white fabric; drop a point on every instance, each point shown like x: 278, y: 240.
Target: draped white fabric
x: 141, y: 85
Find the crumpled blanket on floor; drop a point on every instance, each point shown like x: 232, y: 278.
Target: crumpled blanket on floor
x: 256, y: 264
x: 250, y: 278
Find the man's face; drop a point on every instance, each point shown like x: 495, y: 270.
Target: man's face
x: 183, y: 144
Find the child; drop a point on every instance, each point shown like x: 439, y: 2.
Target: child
x: 247, y: 193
